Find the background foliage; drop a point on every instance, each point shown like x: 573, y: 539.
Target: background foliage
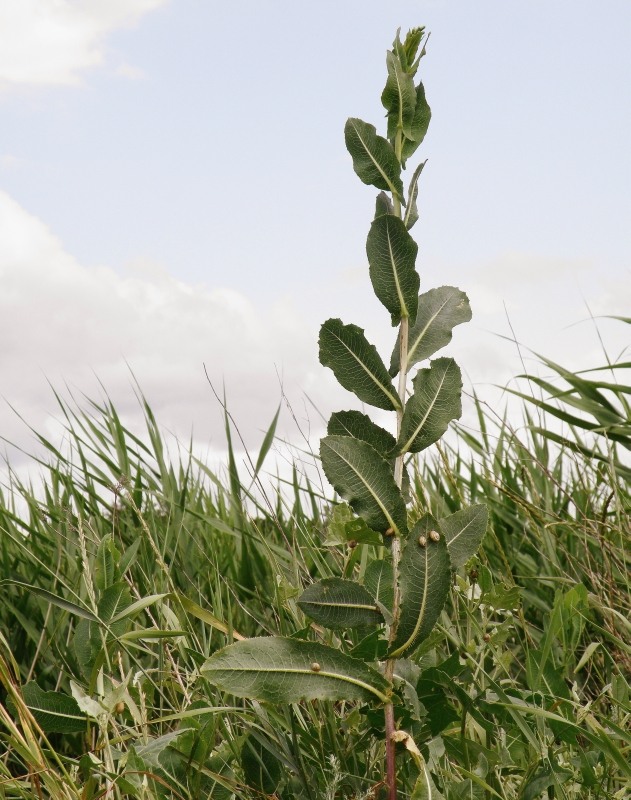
x: 130, y: 569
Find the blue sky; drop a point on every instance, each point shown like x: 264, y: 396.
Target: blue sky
x: 176, y: 190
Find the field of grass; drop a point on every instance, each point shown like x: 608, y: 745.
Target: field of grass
x: 129, y: 570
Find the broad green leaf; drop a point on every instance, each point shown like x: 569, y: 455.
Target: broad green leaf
x: 344, y: 527
x: 411, y: 212
x: 383, y: 205
x: 425, y: 788
x: 439, y: 311
x: 114, y: 600
x: 378, y: 580
x: 391, y: 254
x: 464, y: 532
x: 420, y: 124
x: 281, y: 670
x: 360, y: 426
x: 338, y: 603
x: 365, y: 480
x: 435, y: 402
x: 374, y: 160
x: 424, y: 581
x: 55, y: 712
x: 356, y: 364
x: 398, y: 97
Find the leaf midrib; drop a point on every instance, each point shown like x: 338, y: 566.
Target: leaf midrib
x: 404, y: 308
x: 376, y: 497
x: 405, y: 447
x: 391, y: 396
x: 306, y: 671
x: 419, y: 338
x: 376, y: 163
x: 421, y: 614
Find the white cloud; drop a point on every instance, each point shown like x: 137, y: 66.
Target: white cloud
x: 129, y: 71
x: 86, y: 327
x: 51, y: 42
x: 67, y: 323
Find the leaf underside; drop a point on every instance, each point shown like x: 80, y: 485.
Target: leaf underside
x: 356, y: 364
x: 424, y: 581
x: 280, y: 670
x: 392, y: 255
x: 435, y: 403
x: 464, y: 532
x: 374, y: 159
x: 338, y: 603
x: 420, y: 124
x: 379, y: 582
x: 364, y: 479
x: 55, y: 712
x: 439, y: 311
x: 360, y: 426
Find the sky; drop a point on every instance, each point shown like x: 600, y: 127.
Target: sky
x: 176, y: 201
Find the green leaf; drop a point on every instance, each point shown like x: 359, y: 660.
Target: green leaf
x: 344, y: 526
x: 420, y: 124
x: 408, y: 50
x: 435, y: 402
x: 61, y: 602
x: 411, y: 212
x: 383, y: 205
x: 106, y: 563
x: 425, y: 788
x: 365, y: 480
x: 356, y: 364
x: 464, y: 532
x: 374, y: 160
x: 55, y: 712
x: 337, y: 603
x: 281, y: 670
x: 205, y: 616
x: 262, y: 770
x: 379, y: 581
x: 391, y: 254
x: 398, y: 97
x: 360, y: 426
x: 439, y: 311
x: 138, y: 605
x: 114, y: 600
x: 424, y: 581
x: 267, y: 443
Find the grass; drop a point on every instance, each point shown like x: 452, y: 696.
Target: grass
x: 130, y: 568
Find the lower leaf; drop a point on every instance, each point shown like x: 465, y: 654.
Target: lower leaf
x: 282, y: 670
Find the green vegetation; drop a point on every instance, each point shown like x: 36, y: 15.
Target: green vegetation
x: 139, y: 590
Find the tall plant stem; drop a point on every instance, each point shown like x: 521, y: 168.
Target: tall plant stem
x: 391, y: 779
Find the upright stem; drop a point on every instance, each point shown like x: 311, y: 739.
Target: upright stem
x: 390, y: 725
